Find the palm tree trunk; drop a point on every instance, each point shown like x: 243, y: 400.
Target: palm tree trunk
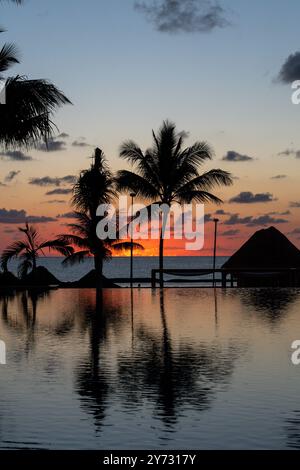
x: 161, y: 258
x: 161, y: 247
x: 33, y: 263
x: 98, y: 262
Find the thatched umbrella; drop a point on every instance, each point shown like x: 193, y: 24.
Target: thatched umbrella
x: 269, y: 252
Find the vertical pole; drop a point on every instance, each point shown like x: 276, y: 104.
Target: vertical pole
x: 215, y: 251
x: 132, y: 195
x: 224, y: 279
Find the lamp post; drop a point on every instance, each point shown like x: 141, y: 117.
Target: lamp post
x: 132, y: 195
x: 216, y: 221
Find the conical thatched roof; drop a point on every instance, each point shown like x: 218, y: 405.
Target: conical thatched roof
x: 267, y: 248
x: 40, y: 277
x: 8, y: 279
x: 91, y: 280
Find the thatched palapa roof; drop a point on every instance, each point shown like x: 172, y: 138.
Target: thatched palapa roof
x: 267, y: 248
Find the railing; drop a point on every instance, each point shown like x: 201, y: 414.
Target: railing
x: 230, y: 276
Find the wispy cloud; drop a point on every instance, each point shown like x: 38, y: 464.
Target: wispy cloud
x: 233, y: 156
x: 15, y: 156
x: 251, y: 221
x: 279, y: 177
x: 183, y: 16
x: 290, y: 152
x: 80, y: 143
x: 230, y: 233
x: 55, y: 201
x: 11, y: 176
x: 59, y: 192
x: 50, y: 181
x: 21, y: 216
x: 264, y: 220
x: 63, y: 135
x: 247, y: 197
x: 296, y: 231
x: 53, y: 145
x: 221, y: 212
x: 287, y: 212
x: 67, y: 215
x: 290, y: 71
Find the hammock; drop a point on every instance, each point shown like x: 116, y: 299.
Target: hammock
x: 187, y: 273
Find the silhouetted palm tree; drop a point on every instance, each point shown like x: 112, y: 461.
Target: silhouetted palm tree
x: 168, y: 173
x: 29, y: 250
x: 8, y: 54
x: 8, y: 57
x: 25, y: 119
x: 94, y: 187
x: 85, y: 238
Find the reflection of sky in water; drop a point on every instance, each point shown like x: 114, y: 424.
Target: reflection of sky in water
x: 178, y: 369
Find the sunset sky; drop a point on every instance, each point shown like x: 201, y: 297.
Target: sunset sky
x: 223, y: 76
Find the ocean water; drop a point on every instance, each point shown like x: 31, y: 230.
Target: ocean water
x: 120, y: 267
x: 155, y: 369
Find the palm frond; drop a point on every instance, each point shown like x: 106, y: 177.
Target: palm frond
x: 166, y: 171
x: 25, y: 266
x: 31, y: 235
x: 59, y: 245
x: 125, y: 246
x: 18, y: 2
x: 76, y: 240
x: 130, y: 151
x: 129, y: 181
x: 8, y: 56
x: 13, y: 251
x: 206, y: 181
x: 197, y: 154
x: 75, y: 258
x: 26, y: 118
x: 79, y: 229
x: 197, y: 196
x: 145, y: 163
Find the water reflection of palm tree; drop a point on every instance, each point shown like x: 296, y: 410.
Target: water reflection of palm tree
x: 94, y: 382
x: 27, y: 310
x: 26, y: 322
x: 216, y: 309
x: 172, y: 376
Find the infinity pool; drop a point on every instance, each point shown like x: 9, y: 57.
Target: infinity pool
x: 173, y: 369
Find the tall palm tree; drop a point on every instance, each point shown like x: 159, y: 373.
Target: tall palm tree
x: 25, y: 119
x: 94, y: 187
x: 29, y: 249
x: 168, y: 173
